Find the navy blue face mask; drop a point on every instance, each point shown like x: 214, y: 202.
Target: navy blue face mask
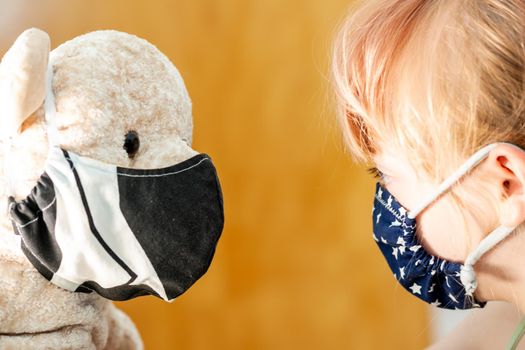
x: 439, y: 282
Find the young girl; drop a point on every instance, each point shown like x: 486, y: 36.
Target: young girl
x: 432, y: 93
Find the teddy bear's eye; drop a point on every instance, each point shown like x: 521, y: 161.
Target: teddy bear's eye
x: 131, y: 143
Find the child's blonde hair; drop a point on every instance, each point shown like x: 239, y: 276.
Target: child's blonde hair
x: 434, y: 80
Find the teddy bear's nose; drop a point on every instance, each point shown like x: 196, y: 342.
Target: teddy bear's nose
x: 131, y: 143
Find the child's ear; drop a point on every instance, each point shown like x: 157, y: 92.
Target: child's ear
x: 23, y: 79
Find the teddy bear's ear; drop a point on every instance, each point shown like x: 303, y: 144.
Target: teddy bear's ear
x: 22, y: 79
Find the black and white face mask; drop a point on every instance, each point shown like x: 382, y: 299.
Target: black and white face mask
x: 89, y: 225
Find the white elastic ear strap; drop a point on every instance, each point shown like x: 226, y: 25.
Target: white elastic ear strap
x: 468, y: 275
x: 8, y: 165
x: 452, y: 179
x: 50, y: 106
x: 7, y: 111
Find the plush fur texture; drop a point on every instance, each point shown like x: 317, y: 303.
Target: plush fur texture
x: 106, y: 83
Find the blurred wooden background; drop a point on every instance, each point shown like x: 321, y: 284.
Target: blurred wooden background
x: 296, y: 267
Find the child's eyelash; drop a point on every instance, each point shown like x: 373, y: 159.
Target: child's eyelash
x: 375, y: 172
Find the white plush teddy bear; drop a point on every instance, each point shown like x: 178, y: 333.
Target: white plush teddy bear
x: 103, y: 197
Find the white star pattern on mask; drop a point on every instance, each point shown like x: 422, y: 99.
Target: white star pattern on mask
x: 415, y: 248
x: 431, y: 288
x: 380, y: 193
x: 416, y: 289
x: 435, y: 303
x: 395, y: 223
x: 452, y: 298
x: 402, y: 243
x: 402, y: 272
x: 394, y: 252
x: 377, y: 217
x: 402, y: 211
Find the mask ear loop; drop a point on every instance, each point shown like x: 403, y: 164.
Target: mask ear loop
x: 8, y: 173
x: 50, y: 106
x: 467, y: 274
x: 8, y: 146
x: 470, y: 163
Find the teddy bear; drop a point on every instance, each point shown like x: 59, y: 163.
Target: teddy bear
x: 103, y: 112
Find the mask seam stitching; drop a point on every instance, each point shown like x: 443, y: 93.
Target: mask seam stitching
x: 38, y: 212
x: 394, y: 212
x: 131, y: 175
x: 167, y: 174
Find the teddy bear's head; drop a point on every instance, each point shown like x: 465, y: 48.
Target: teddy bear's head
x: 118, y: 100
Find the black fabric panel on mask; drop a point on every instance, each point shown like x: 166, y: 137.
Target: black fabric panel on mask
x: 39, y: 236
x: 180, y: 218
x: 118, y: 293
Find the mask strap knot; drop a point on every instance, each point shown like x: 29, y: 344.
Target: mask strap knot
x: 467, y: 274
